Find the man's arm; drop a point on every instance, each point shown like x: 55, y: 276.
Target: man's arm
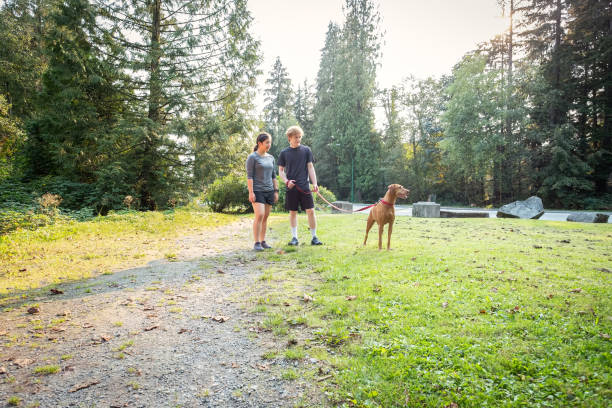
x: 313, y: 176
x: 281, y: 172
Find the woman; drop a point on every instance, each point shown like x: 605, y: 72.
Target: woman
x: 263, y: 187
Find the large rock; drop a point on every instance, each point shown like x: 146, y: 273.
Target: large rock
x: 426, y: 209
x: 588, y: 217
x: 345, y: 205
x: 530, y: 208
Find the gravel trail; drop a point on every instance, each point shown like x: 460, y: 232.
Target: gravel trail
x: 169, y: 334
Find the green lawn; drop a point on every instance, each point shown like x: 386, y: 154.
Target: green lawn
x: 71, y: 251
x: 477, y: 312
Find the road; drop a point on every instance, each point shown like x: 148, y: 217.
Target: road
x: 549, y: 215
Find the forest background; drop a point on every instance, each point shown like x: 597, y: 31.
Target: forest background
x: 144, y: 104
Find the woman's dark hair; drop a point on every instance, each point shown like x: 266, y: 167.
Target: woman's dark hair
x: 262, y: 137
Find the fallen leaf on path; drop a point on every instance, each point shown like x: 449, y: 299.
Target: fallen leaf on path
x: 377, y: 288
x: 280, y: 252
x: 34, y: 310
x: 604, y: 335
x: 286, y: 304
x: 184, y: 331
x: 23, y: 269
x: 307, y: 298
x: 23, y: 362
x: 221, y: 319
x: 87, y: 325
x: 56, y: 291
x: 58, y: 329
x: 151, y: 327
x: 351, y: 297
x: 3, y: 333
x: 147, y: 308
x: 234, y: 365
x: 482, y: 311
x: 345, y: 277
x: 537, y: 246
x: 220, y: 271
x: 604, y: 270
x: 83, y: 385
x: 3, y: 370
x: 263, y: 367
x: 549, y: 296
x: 324, y: 377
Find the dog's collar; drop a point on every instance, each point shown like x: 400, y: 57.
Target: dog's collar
x: 386, y: 203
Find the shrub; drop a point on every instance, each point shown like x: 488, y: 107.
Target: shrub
x: 227, y: 193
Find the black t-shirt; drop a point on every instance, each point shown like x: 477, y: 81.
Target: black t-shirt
x: 295, y: 161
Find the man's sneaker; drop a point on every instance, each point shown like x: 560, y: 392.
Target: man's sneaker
x: 265, y: 245
x: 258, y: 247
x: 293, y: 242
x: 315, y: 241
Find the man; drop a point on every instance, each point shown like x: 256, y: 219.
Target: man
x: 296, y: 170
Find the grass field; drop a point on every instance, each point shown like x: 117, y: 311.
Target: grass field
x: 476, y: 312
x: 76, y: 250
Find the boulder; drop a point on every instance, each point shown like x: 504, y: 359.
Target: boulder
x: 530, y: 208
x: 345, y: 205
x: 426, y: 209
x: 588, y: 217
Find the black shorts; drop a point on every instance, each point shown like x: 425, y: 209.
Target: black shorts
x: 264, y: 197
x: 293, y: 198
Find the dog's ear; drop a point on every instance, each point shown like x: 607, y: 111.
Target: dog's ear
x: 392, y: 186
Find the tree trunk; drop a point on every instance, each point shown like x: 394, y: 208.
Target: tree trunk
x: 155, y: 93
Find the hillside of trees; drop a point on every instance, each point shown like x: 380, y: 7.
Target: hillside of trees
x: 154, y: 99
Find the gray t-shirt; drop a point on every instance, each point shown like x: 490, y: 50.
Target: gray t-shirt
x: 262, y: 169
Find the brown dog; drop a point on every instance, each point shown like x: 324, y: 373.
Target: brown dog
x: 384, y: 213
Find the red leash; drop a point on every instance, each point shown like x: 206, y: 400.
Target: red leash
x: 341, y: 209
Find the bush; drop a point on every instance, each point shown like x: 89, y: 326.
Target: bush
x: 229, y: 193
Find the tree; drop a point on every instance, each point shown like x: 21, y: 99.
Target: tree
x: 11, y: 136
x: 345, y: 100
x: 278, y: 110
x: 472, y: 131
x: 324, y: 134
x: 303, y: 111
x: 184, y: 57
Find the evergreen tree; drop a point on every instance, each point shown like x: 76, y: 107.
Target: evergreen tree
x: 195, y: 56
x: 344, y: 128
x: 324, y: 134
x: 78, y: 104
x: 278, y: 110
x: 303, y: 111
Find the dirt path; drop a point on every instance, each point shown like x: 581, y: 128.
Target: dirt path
x: 169, y: 334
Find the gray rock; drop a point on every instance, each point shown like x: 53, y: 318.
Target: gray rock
x: 588, y: 217
x: 344, y: 205
x: 426, y: 209
x: 531, y: 208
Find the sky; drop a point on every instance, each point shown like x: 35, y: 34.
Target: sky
x: 421, y: 37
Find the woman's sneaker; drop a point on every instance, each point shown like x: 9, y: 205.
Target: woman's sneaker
x: 315, y: 241
x: 258, y: 247
x: 293, y: 242
x: 265, y: 245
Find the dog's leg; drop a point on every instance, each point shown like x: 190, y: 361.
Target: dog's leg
x: 389, y: 235
x: 368, y: 227
x: 381, y: 227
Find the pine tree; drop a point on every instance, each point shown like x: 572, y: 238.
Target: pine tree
x: 185, y: 57
x: 278, y: 110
